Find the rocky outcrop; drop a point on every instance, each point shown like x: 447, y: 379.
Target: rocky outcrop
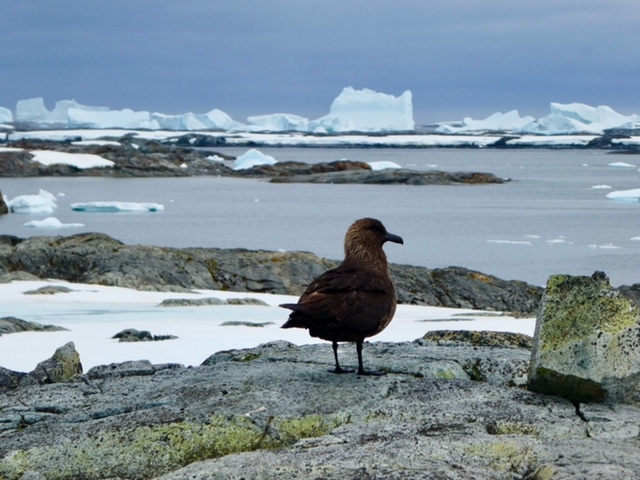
x: 15, y: 325
x: 3, y: 206
x: 394, y: 176
x: 587, y: 342
x: 276, y: 412
x: 62, y: 366
x: 137, y: 157
x: 98, y: 258
x: 134, y: 335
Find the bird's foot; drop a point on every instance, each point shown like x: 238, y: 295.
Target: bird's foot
x: 373, y: 374
x: 340, y: 370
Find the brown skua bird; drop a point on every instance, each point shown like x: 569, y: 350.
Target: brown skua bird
x: 355, y: 300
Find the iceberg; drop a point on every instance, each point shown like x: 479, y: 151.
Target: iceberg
x: 576, y: 118
x: 278, y: 122
x: 366, y: 111
x: 127, y: 118
x: 497, y: 122
x: 632, y: 195
x: 5, y: 115
x: 52, y: 222
x: 44, y: 202
x: 33, y: 110
x: 113, y: 207
x: 253, y: 158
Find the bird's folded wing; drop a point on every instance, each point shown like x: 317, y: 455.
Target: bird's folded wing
x: 353, y: 299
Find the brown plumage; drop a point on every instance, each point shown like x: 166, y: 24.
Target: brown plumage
x: 355, y: 300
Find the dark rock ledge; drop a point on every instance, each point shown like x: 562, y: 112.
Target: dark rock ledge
x: 99, y: 259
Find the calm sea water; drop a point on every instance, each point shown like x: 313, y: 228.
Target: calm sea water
x: 547, y: 220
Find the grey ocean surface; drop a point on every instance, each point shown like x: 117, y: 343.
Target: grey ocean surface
x: 549, y: 219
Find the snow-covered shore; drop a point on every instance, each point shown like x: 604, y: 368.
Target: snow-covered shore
x: 94, y: 313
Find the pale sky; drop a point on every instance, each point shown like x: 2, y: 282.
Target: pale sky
x: 458, y: 57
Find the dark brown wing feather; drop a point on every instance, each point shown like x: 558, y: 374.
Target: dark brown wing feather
x: 344, y: 305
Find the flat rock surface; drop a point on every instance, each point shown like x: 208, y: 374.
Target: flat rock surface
x: 276, y: 412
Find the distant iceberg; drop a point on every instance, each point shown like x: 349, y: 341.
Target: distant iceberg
x: 5, y: 115
x: 576, y: 118
x: 366, y: 111
x: 497, y: 122
x: 353, y: 110
x: 625, y: 195
x: 33, y: 110
x: 52, y: 222
x: 112, y: 207
x: 253, y: 158
x: 44, y: 202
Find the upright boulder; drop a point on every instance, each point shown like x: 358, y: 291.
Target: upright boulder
x: 587, y: 342
x: 64, y: 364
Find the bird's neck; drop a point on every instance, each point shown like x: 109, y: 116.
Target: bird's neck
x: 374, y: 260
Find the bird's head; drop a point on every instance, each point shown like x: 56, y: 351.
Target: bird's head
x: 365, y: 237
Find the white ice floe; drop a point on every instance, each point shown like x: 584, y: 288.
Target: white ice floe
x: 215, y: 158
x: 111, y: 207
x: 10, y: 149
x: 606, y: 246
x: 632, y: 195
x: 622, y: 165
x: 559, y: 241
x: 383, y: 165
x: 511, y: 242
x: 78, y: 160
x: 94, y: 313
x: 52, y: 222
x: 253, y: 158
x: 43, y: 202
x: 601, y: 187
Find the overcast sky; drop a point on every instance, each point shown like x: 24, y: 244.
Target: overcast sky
x: 458, y: 57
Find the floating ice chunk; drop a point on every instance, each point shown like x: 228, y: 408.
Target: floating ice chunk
x: 215, y: 158
x: 559, y: 241
x: 511, y: 242
x: 253, y: 158
x: 78, y: 160
x: 44, y: 202
x: 383, y: 165
x: 52, y: 222
x: 622, y: 165
x: 632, y: 195
x: 110, y: 207
x: 10, y: 149
x: 607, y: 246
x: 635, y: 238
x: 601, y: 187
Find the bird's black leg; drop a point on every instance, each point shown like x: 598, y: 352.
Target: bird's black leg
x: 335, y: 355
x: 361, y: 370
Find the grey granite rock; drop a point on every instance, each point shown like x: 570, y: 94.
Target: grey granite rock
x: 587, y: 342
x: 276, y: 412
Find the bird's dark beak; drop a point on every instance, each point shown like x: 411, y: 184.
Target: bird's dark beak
x: 394, y: 238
